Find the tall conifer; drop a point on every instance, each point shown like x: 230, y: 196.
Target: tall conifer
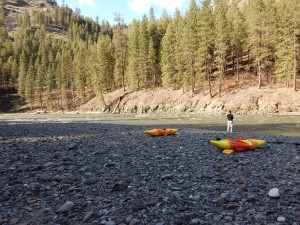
x: 22, y: 75
x: 29, y: 84
x: 178, y: 24
x: 260, y: 44
x: 143, y: 53
x: 120, y: 41
x: 237, y: 36
x: 206, y: 31
x: 133, y: 75
x: 2, y: 15
x: 154, y: 49
x: 168, y: 60
x: 221, y: 41
x: 191, y: 46
x: 152, y: 64
x: 287, y: 41
x: 40, y: 82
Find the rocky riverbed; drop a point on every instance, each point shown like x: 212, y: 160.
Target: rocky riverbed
x: 92, y: 173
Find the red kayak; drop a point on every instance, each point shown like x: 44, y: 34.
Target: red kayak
x: 238, y: 145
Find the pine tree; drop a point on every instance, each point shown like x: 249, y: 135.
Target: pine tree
x: 178, y: 24
x: 206, y: 31
x: 40, y: 35
x: 2, y: 15
x: 49, y: 87
x: 120, y: 42
x: 6, y: 57
x: 287, y: 43
x: 6, y: 52
x: 191, y: 45
x: 14, y: 71
x: 29, y: 85
x: 151, y: 64
x: 168, y: 60
x: 39, y: 85
x: 50, y: 75
x: 271, y: 18
x: 110, y: 52
x: 154, y: 49
x: 260, y: 44
x: 133, y: 75
x: 26, y: 20
x: 143, y: 53
x: 237, y: 36
x: 102, y: 68
x: 97, y: 80
x: 62, y: 77
x: 80, y: 74
x: 221, y: 41
x: 296, y: 25
x: 162, y: 24
x: 22, y: 75
x: 39, y: 18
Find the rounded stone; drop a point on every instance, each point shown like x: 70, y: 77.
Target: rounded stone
x: 274, y: 193
x: 281, y: 219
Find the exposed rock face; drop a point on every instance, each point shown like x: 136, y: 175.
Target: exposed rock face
x: 246, y: 101
x: 21, y: 3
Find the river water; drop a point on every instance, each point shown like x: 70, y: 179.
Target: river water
x: 260, y: 124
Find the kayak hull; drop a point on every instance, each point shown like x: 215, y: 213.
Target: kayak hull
x: 238, y: 145
x: 161, y: 132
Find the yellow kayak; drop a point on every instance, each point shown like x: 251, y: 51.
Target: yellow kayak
x: 161, y: 132
x: 238, y: 145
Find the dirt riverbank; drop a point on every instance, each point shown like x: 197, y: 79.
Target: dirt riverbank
x: 282, y: 101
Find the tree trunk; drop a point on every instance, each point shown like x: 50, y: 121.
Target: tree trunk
x: 209, y: 84
x: 100, y: 99
x: 41, y: 101
x: 259, y: 76
x: 295, y: 62
x: 123, y: 78
x: 237, y: 69
x: 117, y: 106
x: 193, y: 83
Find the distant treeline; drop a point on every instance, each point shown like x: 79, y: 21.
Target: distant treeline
x: 196, y: 50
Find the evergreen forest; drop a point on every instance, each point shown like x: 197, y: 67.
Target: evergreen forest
x: 198, y: 50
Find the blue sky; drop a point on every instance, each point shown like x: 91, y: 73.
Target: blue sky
x: 129, y: 9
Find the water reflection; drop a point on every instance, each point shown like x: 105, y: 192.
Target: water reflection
x: 264, y: 124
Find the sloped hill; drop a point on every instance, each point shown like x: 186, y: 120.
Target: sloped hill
x: 16, y: 9
x: 13, y: 9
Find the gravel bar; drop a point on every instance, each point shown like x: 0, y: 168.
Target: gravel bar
x: 92, y: 173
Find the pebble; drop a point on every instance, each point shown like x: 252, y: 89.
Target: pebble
x: 88, y: 216
x: 66, y: 207
x: 92, y: 173
x: 281, y: 219
x: 196, y: 221
x: 274, y: 193
x: 134, y: 221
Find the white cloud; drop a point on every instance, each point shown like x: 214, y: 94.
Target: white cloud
x: 139, y: 6
x: 86, y: 2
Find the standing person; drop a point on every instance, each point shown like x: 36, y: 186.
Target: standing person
x: 229, y: 122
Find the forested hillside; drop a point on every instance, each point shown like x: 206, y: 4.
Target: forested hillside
x: 53, y: 58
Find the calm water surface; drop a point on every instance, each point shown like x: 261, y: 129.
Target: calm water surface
x: 262, y: 124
